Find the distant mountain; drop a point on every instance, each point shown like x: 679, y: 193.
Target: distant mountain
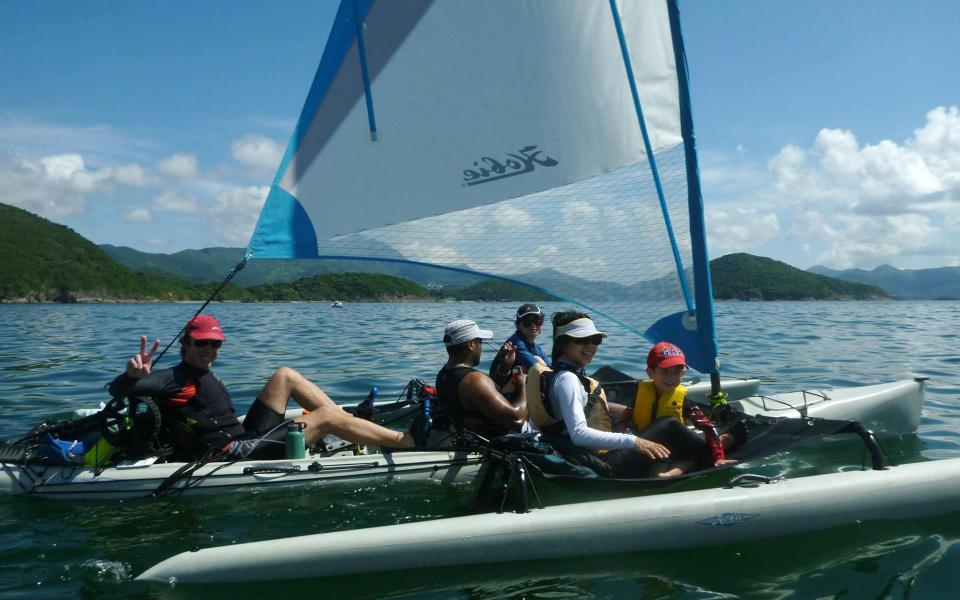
x: 942, y: 283
x: 739, y: 276
x: 46, y: 262
x: 748, y: 277
x: 213, y: 264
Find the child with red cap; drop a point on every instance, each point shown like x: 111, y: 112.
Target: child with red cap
x: 663, y: 397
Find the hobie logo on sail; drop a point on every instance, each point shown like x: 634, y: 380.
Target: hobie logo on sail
x: 490, y: 169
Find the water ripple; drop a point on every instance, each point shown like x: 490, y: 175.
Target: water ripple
x: 55, y: 359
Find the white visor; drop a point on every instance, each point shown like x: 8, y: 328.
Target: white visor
x: 578, y: 328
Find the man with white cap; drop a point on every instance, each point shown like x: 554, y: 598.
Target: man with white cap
x: 469, y: 397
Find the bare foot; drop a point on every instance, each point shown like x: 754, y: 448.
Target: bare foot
x: 671, y: 472
x: 724, y: 461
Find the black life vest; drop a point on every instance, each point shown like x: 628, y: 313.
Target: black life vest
x: 208, y: 416
x: 448, y: 383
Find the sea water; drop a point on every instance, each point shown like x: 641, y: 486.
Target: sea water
x: 56, y: 358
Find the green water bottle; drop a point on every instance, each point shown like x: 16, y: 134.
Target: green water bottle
x: 296, y: 446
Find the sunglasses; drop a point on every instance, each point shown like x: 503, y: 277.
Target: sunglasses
x: 596, y: 340
x: 215, y: 344
x: 531, y: 321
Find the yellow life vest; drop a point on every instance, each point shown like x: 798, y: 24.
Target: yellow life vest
x: 596, y: 411
x: 648, y: 408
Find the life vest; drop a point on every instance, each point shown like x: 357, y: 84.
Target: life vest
x: 204, y: 405
x: 448, y: 383
x: 647, y: 407
x: 539, y: 407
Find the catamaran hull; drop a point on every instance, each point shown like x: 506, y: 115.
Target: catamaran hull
x: 735, y: 388
x: 140, y: 480
x: 890, y: 408
x: 660, y: 522
x: 887, y: 408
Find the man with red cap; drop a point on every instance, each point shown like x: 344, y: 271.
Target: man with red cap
x: 198, y: 415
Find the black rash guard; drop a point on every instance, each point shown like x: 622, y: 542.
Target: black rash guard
x: 188, y: 395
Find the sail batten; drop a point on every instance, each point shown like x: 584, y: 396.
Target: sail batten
x: 503, y: 138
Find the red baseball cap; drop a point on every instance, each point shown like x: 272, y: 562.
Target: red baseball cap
x: 204, y: 327
x: 665, y: 355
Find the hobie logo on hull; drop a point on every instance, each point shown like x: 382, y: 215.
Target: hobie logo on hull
x: 727, y: 519
x: 523, y: 161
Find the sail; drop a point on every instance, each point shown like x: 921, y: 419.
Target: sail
x: 541, y: 141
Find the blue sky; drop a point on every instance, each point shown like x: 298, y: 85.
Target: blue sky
x: 828, y: 131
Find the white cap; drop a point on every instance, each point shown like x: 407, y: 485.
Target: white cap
x: 464, y: 330
x: 578, y: 328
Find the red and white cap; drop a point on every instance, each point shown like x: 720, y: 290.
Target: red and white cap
x: 204, y: 327
x: 665, y: 355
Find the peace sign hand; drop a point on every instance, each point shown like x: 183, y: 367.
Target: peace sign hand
x: 139, y: 364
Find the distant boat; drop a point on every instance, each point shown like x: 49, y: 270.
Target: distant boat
x: 336, y: 304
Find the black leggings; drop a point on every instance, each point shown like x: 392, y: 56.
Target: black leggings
x: 683, y: 442
x: 685, y: 446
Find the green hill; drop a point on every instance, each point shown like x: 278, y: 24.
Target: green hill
x: 747, y: 277
x: 497, y: 290
x: 46, y: 262
x: 342, y: 286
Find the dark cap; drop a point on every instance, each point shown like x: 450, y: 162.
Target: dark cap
x: 528, y: 309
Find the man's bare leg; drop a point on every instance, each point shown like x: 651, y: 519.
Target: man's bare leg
x: 325, y: 416
x: 342, y: 424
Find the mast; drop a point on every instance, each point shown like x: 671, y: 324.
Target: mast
x: 703, y: 287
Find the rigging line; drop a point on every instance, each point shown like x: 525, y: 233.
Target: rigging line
x: 236, y: 269
x: 365, y: 73
x: 650, y: 158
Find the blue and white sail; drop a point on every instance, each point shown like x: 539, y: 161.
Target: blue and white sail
x: 546, y: 142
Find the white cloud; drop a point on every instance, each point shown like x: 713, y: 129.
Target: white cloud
x: 739, y: 229
x: 176, y: 201
x: 27, y: 184
x: 433, y: 253
x: 257, y: 151
x: 182, y: 166
x: 130, y: 175
x: 58, y: 186
x: 235, y: 213
x: 844, y: 203
x: 138, y: 215
x: 511, y: 216
x: 69, y: 172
